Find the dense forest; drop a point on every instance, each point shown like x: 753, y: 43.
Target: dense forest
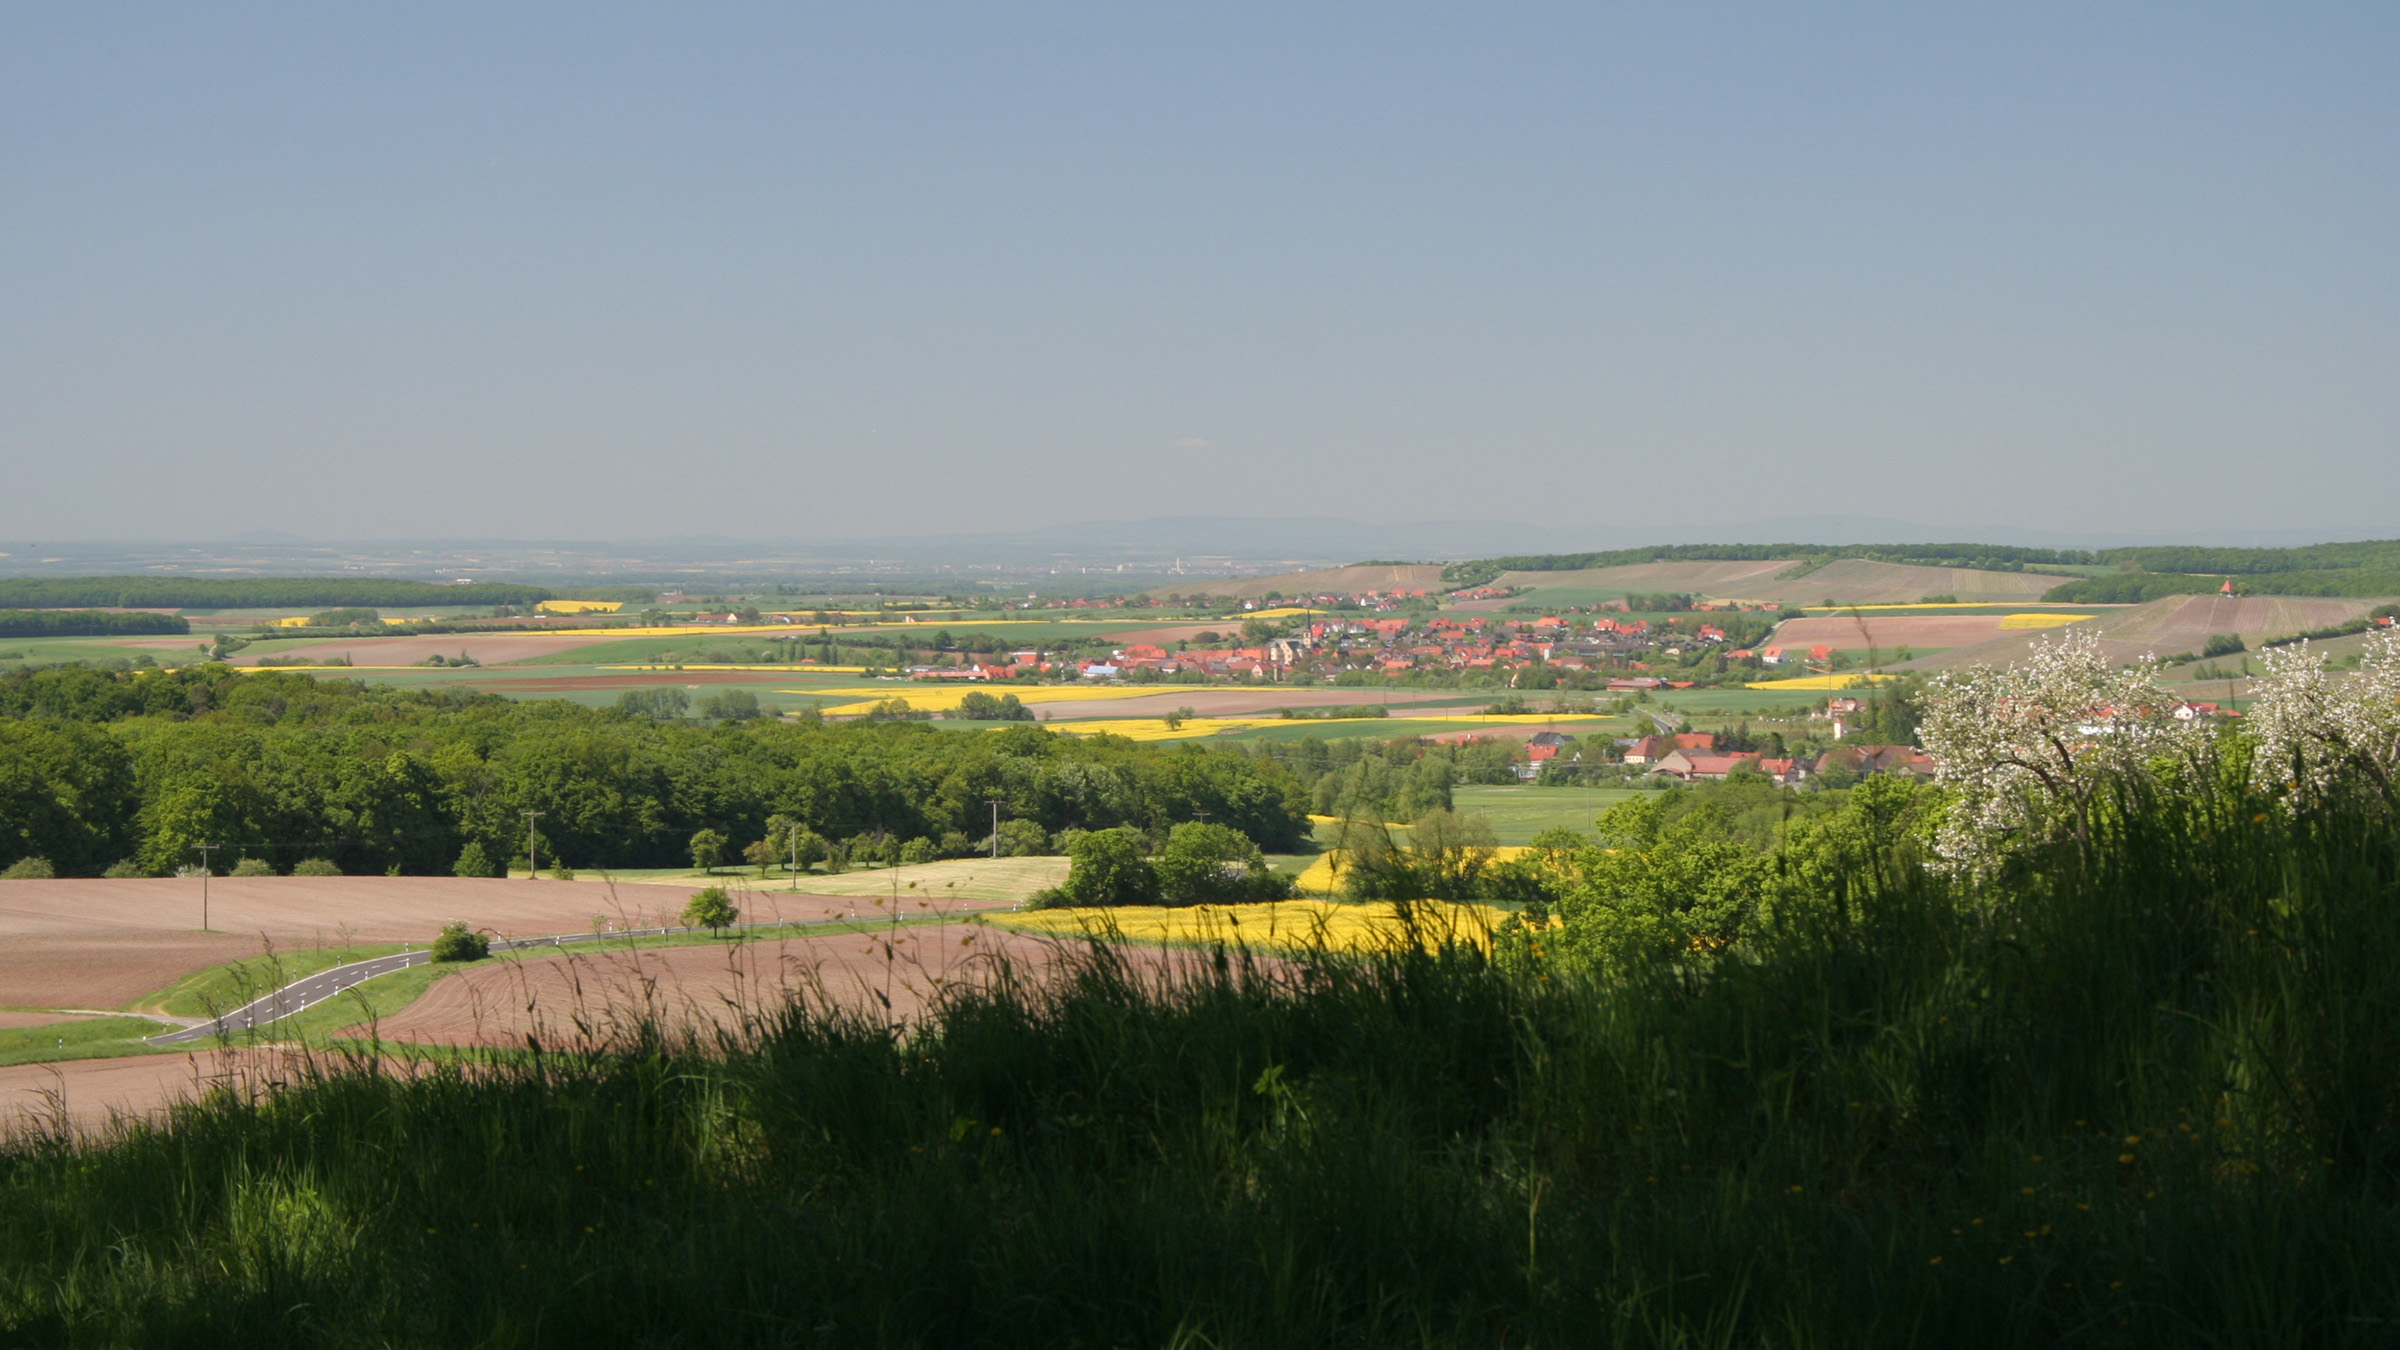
x: 253, y: 592
x: 17, y: 623
x: 128, y: 770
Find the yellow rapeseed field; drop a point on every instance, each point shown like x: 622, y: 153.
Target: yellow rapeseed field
x: 2019, y: 622
x: 1288, y: 925
x: 1850, y: 680
x: 578, y: 606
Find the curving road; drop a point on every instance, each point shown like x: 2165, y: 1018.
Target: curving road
x: 310, y: 990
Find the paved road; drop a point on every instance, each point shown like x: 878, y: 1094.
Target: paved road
x: 310, y: 990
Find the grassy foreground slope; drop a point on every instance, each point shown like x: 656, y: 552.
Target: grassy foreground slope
x: 2149, y: 1101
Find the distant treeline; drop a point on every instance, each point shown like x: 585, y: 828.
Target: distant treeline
x: 2370, y: 567
x: 253, y: 592
x: 2126, y: 588
x: 2381, y: 555
x: 1984, y: 557
x: 19, y: 623
x: 101, y: 769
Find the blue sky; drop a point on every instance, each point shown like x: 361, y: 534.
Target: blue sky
x: 795, y: 271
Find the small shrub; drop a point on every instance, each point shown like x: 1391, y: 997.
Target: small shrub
x: 127, y: 868
x: 457, y: 942
x: 712, y: 909
x: 559, y: 871
x: 316, y: 867
x: 919, y: 850
x: 474, y: 862
x: 253, y: 867
x: 29, y: 869
x: 2221, y: 644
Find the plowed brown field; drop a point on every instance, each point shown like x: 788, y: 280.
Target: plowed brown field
x: 102, y: 944
x: 87, y: 1094
x: 2181, y: 623
x: 567, y: 998
x: 1891, y: 630
x: 407, y: 651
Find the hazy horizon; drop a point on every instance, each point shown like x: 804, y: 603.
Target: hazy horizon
x: 608, y: 272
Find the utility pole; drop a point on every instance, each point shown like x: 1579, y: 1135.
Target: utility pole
x: 533, y: 861
x: 995, y: 801
x: 204, y: 848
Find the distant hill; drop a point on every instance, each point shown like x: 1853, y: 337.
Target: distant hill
x: 1385, y: 577
x: 1980, y: 557
x: 1786, y: 581
x: 250, y: 592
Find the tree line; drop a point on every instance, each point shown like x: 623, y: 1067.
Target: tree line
x: 131, y: 770
x: 253, y: 592
x: 19, y: 623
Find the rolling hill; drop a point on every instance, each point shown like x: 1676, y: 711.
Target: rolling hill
x: 2176, y: 624
x: 1385, y: 577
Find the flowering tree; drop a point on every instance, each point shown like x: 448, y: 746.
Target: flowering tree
x: 2029, y: 751
x: 2313, y: 729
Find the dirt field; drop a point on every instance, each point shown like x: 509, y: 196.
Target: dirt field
x: 494, y: 649
x: 1854, y: 581
x: 103, y: 944
x: 86, y: 1094
x: 1712, y: 578
x: 1857, y: 581
x: 2181, y: 623
x: 1890, y: 630
x: 562, y: 999
x: 688, y: 679
x: 1237, y: 702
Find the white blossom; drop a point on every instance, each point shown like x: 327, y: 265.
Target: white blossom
x: 2027, y: 750
x: 2312, y: 728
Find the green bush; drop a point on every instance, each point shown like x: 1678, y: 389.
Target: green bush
x: 474, y: 862
x: 316, y: 867
x: 253, y: 867
x: 457, y: 942
x: 711, y: 908
x: 919, y: 850
x: 1106, y: 867
x: 1208, y: 864
x: 29, y: 869
x: 125, y: 868
x: 559, y: 871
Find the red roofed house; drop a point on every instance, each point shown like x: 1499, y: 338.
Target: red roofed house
x: 1694, y: 766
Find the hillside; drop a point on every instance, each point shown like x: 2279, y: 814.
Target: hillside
x: 1386, y: 577
x: 2177, y: 624
x: 1844, y: 581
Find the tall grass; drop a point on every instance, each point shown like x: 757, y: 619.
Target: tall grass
x: 2146, y: 1101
